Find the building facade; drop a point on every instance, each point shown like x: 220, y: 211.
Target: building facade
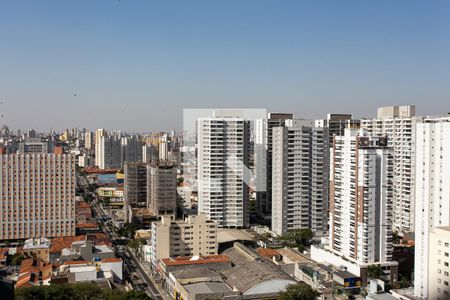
x: 432, y: 192
x: 361, y: 197
x: 263, y: 151
x: 222, y: 166
x: 37, y: 197
x: 439, y: 263
x: 299, y: 177
x: 399, y: 124
x: 196, y: 235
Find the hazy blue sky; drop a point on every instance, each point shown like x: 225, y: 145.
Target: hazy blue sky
x: 135, y: 65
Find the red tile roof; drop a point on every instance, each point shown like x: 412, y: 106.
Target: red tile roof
x: 76, y: 262
x: 268, y: 252
x: 82, y: 204
x: 86, y: 225
x: 31, y: 270
x: 60, y: 243
x: 186, y: 260
x: 3, y: 253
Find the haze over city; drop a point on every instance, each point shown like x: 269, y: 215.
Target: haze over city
x: 134, y: 65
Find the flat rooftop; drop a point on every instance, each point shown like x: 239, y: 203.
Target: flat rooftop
x: 225, y: 235
x: 207, y: 288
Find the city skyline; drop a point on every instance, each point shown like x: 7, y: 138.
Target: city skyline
x: 136, y: 65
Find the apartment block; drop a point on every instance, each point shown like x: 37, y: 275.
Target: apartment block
x: 99, y: 133
x: 337, y: 123
x: 432, y: 193
x: 196, y: 235
x: 131, y: 149
x: 263, y: 152
x: 300, y: 177
x: 88, y: 140
x: 37, y: 196
x: 361, y: 197
x: 361, y: 191
x: 398, y: 123
x: 222, y: 166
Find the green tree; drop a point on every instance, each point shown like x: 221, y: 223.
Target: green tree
x: 252, y: 206
x: 135, y: 244
x: 374, y: 272
x: 16, y: 259
x: 76, y: 291
x: 300, y: 291
x: 127, y: 230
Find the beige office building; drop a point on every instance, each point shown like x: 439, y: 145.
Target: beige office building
x: 37, y: 196
x: 194, y: 236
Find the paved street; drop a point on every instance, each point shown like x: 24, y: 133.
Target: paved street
x: 135, y: 272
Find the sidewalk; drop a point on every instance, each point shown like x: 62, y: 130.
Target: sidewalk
x: 146, y: 267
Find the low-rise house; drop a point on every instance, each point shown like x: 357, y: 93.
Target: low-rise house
x: 37, y: 248
x: 62, y: 246
x: 110, y: 269
x: 34, y: 272
x: 87, y: 250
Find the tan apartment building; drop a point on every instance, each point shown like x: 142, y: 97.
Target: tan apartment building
x: 37, y: 195
x: 196, y: 235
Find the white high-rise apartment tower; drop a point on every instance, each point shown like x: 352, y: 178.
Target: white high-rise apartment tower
x: 399, y: 124
x: 263, y: 161
x: 300, y: 177
x: 432, y: 193
x: 222, y: 165
x: 99, y: 133
x: 164, y: 147
x: 37, y: 195
x: 361, y: 197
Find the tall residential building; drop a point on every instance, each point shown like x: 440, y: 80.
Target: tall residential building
x: 164, y: 147
x: 263, y: 151
x: 361, y: 197
x: 337, y: 123
x: 432, y: 192
x: 222, y: 166
x: 300, y: 173
x: 196, y: 235
x: 149, y: 153
x: 162, y: 188
x: 131, y: 149
x: 99, y: 133
x: 135, y: 184
x: 439, y: 263
x: 361, y: 191
x: 399, y: 124
x: 109, y: 152
x: 37, y: 196
x: 88, y: 140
